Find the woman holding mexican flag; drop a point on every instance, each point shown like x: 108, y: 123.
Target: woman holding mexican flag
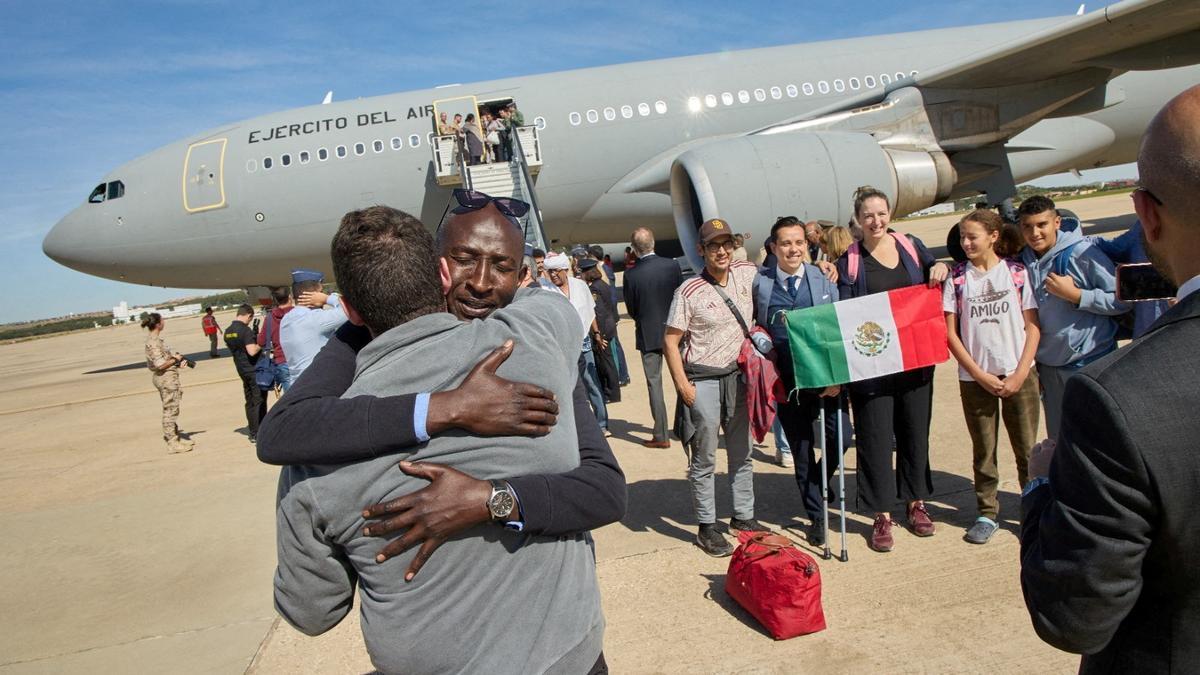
x: 895, y: 406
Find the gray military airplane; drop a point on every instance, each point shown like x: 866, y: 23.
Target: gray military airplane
x: 745, y: 135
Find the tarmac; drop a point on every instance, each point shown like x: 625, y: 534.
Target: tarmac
x: 122, y: 558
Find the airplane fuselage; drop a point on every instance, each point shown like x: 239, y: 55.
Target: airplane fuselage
x: 242, y: 204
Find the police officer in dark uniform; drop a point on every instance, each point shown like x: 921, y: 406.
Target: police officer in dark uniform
x: 242, y: 341
x: 606, y: 320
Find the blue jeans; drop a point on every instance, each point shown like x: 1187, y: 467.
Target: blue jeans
x: 283, y: 376
x: 619, y: 355
x: 591, y: 380
x: 781, y: 441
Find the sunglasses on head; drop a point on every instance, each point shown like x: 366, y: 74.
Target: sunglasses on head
x: 473, y: 200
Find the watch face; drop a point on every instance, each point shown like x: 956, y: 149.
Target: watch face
x: 501, y: 504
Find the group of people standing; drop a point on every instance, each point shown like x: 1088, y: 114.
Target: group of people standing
x: 485, y: 139
x: 1029, y: 307
x: 266, y: 358
x: 586, y: 277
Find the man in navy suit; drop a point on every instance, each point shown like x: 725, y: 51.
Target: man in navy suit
x: 793, y: 284
x: 649, y: 287
x: 1109, y: 541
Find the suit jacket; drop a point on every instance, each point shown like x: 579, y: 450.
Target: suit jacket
x: 649, y: 287
x: 1109, y: 547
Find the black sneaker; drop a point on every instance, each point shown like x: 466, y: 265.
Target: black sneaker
x: 750, y: 525
x: 712, y: 542
x: 815, y: 534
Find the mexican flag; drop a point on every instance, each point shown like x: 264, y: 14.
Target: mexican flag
x: 866, y: 337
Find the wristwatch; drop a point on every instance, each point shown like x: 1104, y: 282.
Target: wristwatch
x: 502, y: 504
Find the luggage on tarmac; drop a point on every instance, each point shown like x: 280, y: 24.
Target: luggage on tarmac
x: 777, y: 583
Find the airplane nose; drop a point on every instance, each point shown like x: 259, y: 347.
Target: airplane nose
x: 65, y: 243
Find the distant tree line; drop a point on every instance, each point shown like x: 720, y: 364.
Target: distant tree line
x: 17, y: 331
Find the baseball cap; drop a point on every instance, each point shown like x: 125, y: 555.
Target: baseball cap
x: 302, y: 275
x: 713, y: 228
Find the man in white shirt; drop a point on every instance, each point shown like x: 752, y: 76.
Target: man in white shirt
x: 305, y: 329
x: 558, y: 267
x: 712, y: 395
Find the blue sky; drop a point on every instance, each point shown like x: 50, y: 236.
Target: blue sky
x: 88, y: 86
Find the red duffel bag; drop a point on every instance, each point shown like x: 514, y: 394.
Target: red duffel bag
x: 777, y: 583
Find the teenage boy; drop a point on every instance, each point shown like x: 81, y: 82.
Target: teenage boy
x: 1075, y: 285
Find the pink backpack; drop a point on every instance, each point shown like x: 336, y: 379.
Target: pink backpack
x: 854, y: 261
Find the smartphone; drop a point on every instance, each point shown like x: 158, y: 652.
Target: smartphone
x: 1140, y: 282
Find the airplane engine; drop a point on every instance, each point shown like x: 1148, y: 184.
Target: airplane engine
x: 752, y: 180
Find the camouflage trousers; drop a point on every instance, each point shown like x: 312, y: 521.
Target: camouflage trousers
x: 171, y: 393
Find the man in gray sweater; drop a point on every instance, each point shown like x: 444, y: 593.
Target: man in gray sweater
x: 498, y: 601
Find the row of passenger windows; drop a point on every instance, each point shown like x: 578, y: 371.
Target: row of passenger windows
x: 342, y: 151
x: 610, y: 114
x: 696, y: 103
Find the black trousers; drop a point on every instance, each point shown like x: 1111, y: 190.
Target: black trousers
x: 797, y: 416
x: 606, y: 366
x: 893, y: 406
x: 256, y: 403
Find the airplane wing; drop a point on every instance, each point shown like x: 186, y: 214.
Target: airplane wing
x: 1130, y: 35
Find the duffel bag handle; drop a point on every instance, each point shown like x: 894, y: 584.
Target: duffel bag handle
x: 768, y: 543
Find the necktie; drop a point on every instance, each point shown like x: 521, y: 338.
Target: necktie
x: 791, y: 287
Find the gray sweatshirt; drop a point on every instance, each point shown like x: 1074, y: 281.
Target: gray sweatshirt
x: 490, y: 600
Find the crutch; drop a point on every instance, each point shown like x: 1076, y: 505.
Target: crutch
x: 841, y: 455
x: 825, y: 555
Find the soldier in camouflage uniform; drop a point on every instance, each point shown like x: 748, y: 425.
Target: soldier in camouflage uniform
x: 164, y: 367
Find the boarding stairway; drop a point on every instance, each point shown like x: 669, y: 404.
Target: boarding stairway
x: 514, y: 178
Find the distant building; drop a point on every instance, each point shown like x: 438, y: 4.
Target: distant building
x: 123, y: 313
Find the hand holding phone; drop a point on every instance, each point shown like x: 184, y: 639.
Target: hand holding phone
x: 1140, y: 282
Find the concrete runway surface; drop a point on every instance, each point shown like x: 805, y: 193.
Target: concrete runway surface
x: 122, y: 558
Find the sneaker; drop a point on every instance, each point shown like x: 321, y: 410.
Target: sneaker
x: 918, y: 520
x: 784, y: 459
x: 712, y: 542
x: 981, y: 532
x: 881, y: 534
x: 254, y: 440
x: 748, y: 525
x: 815, y: 534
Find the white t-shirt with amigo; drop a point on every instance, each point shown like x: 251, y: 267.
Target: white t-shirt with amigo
x: 992, y: 327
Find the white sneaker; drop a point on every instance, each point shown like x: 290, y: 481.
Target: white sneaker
x: 784, y: 459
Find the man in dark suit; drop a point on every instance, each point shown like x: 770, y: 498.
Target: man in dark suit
x: 1108, y: 539
x: 649, y: 287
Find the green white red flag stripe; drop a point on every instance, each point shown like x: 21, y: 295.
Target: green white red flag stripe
x: 862, y: 338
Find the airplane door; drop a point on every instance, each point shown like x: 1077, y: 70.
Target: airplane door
x: 203, y: 176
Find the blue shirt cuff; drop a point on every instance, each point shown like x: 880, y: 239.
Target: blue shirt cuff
x: 421, y: 416
x: 517, y: 525
x: 1034, y: 484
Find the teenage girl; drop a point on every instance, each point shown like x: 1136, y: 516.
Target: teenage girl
x: 991, y: 320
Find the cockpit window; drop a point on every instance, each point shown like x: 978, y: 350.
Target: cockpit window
x: 116, y: 189
x: 97, y: 195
